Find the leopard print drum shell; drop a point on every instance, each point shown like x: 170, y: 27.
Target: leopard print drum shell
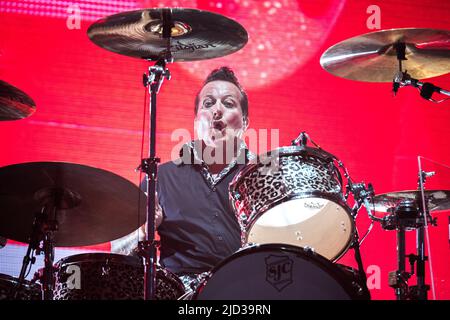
x: 108, y: 276
x: 293, y: 195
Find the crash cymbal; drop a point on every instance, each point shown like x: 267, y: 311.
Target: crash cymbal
x: 94, y: 205
x: 14, y: 103
x: 438, y: 200
x: 195, y: 34
x: 372, y: 57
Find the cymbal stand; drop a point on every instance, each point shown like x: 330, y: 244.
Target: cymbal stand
x: 45, y: 226
x: 401, y: 218
x: 50, y: 227
x: 42, y: 240
x: 29, y: 258
x: 361, y: 194
x: 422, y: 288
x: 153, y: 81
x: 409, y: 215
x: 427, y: 89
x: 400, y: 48
x: 402, y: 78
x: 355, y: 245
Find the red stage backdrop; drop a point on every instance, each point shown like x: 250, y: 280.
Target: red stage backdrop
x: 90, y: 102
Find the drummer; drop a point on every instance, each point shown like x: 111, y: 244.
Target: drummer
x: 196, y: 223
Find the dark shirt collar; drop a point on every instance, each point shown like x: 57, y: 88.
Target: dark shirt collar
x: 190, y: 153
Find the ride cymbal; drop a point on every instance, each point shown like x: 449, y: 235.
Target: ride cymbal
x: 372, y: 57
x: 195, y: 34
x: 14, y: 103
x: 92, y: 205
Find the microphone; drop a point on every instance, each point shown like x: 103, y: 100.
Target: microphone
x: 396, y: 82
x: 395, y: 87
x: 301, y: 140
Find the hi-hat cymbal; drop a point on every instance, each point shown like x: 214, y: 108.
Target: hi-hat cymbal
x: 438, y: 200
x: 95, y: 205
x: 14, y: 103
x: 372, y: 57
x: 195, y: 34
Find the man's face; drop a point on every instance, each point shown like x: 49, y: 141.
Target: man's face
x: 219, y: 117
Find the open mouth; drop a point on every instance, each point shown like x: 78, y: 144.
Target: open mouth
x: 218, y: 125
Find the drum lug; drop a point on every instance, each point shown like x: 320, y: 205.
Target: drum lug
x: 106, y: 269
x: 308, y: 249
x: 243, y: 217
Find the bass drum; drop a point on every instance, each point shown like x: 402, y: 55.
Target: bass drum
x: 279, y: 272
x: 294, y: 195
x: 107, y: 276
x: 28, y: 291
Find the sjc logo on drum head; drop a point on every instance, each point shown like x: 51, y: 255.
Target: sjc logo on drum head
x: 279, y: 271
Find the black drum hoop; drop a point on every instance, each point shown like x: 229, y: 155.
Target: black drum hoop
x: 99, y: 257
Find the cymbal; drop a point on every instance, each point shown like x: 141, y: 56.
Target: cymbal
x: 195, y: 34
x: 14, y: 103
x: 438, y: 200
x: 93, y: 205
x: 371, y: 57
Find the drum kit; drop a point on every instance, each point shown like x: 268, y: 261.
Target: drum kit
x: 296, y: 205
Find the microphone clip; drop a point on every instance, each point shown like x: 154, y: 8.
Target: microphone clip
x: 301, y: 140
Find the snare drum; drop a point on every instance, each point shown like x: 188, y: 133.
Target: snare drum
x: 293, y: 195
x: 278, y: 272
x: 105, y: 276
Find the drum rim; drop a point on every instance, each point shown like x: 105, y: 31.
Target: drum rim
x: 116, y: 258
x: 29, y: 290
x: 14, y: 280
x: 305, y: 195
x: 318, y: 260
x: 99, y: 257
x: 286, y: 150
x: 289, y: 150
